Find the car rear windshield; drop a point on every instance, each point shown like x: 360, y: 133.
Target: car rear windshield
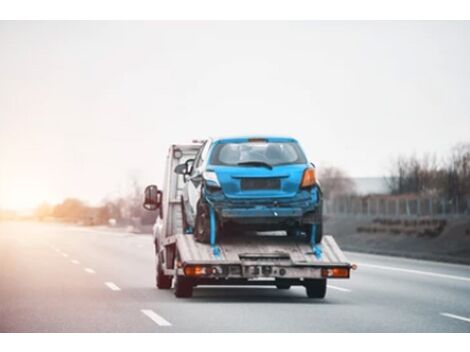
x: 270, y: 153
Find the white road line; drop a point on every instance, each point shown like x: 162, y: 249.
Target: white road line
x: 112, y: 286
x: 419, y: 272
x: 339, y: 288
x: 65, y: 255
x: 155, y: 317
x: 458, y: 317
x: 90, y: 271
x: 74, y: 261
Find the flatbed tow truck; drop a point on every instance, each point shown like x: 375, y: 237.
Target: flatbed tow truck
x: 235, y: 258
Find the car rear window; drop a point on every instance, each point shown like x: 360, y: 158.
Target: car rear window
x: 272, y: 153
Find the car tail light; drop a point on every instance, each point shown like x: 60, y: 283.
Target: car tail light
x: 309, y: 178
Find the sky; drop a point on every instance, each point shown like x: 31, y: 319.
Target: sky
x: 86, y: 107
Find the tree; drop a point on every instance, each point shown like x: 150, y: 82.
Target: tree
x: 43, y: 211
x: 71, y: 209
x: 335, y: 182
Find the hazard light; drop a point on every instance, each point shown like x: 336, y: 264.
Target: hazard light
x: 335, y: 272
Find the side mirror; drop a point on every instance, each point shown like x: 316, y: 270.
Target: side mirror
x: 181, y: 169
x: 153, y: 198
x: 186, y: 168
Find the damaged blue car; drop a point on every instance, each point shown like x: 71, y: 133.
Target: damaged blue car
x: 251, y: 183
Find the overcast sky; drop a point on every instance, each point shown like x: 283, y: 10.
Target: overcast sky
x: 86, y: 106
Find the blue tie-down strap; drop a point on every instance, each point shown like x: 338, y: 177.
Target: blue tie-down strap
x: 316, y: 248
x: 213, y: 234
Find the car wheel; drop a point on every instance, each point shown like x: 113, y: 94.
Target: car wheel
x: 202, y: 228
x: 292, y: 232
x: 318, y: 236
x: 316, y: 288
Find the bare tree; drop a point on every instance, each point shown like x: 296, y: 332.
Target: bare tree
x: 335, y: 182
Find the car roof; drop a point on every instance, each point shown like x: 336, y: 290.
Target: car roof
x: 242, y: 139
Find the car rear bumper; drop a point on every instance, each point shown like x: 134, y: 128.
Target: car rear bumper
x: 261, y: 212
x: 304, y: 208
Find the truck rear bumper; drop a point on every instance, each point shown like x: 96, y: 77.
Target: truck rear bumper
x: 264, y: 271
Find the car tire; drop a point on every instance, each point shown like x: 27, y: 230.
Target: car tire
x: 292, y: 233
x: 183, y: 287
x: 202, y: 228
x: 163, y: 281
x: 309, y: 233
x: 315, y: 288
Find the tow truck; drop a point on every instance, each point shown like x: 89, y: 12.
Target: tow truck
x: 243, y: 259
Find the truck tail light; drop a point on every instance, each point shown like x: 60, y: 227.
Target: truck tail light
x: 335, y: 272
x: 309, y: 178
x: 198, y: 270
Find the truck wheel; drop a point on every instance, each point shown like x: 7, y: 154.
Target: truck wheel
x: 316, y: 288
x: 202, y: 228
x: 281, y: 285
x: 163, y: 281
x: 319, y: 234
x: 183, y: 287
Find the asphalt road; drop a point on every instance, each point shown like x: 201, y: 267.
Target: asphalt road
x: 57, y: 278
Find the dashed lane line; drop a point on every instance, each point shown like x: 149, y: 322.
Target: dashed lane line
x: 112, y: 286
x: 458, y: 317
x: 159, y: 320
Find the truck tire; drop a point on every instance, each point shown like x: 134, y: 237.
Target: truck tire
x: 319, y: 234
x: 282, y: 285
x: 202, y: 228
x: 316, y: 288
x: 163, y: 281
x: 183, y: 287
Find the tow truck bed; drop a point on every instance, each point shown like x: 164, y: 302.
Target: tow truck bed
x: 236, y: 248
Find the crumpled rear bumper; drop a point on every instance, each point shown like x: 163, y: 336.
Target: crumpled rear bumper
x: 305, y: 207
x: 261, y: 212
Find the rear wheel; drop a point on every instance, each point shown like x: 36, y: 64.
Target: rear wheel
x: 202, y: 228
x: 292, y: 232
x: 282, y: 285
x: 183, y: 287
x: 316, y: 288
x: 163, y: 281
x: 310, y: 232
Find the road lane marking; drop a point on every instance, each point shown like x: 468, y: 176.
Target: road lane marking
x: 65, y: 255
x: 89, y: 271
x: 74, y: 261
x: 419, y: 272
x: 339, y: 288
x: 458, y: 317
x: 155, y: 317
x: 112, y: 286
